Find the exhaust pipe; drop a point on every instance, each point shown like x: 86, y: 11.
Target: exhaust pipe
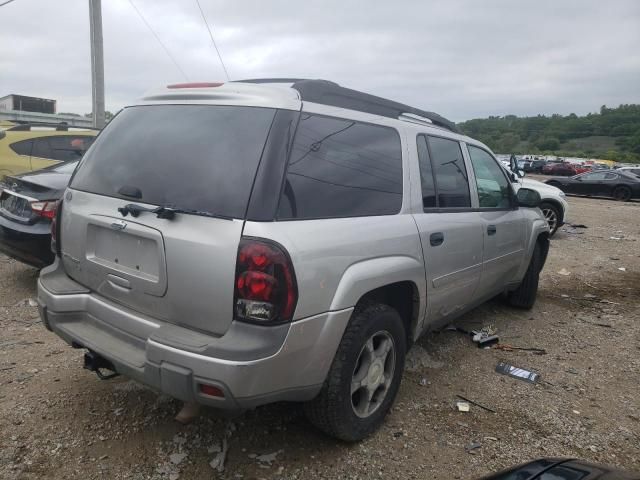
x: 95, y: 363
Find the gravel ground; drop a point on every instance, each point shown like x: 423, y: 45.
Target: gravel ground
x: 59, y: 421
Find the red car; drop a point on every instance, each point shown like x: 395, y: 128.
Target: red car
x: 559, y: 169
x: 582, y: 169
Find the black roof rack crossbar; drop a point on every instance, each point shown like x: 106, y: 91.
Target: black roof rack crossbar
x: 330, y: 93
x: 61, y: 127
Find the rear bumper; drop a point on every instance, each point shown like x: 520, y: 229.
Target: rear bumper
x: 31, y: 248
x: 291, y: 364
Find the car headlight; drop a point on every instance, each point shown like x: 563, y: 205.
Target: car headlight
x: 561, y: 193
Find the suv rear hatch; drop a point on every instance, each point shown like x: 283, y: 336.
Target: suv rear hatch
x: 180, y: 268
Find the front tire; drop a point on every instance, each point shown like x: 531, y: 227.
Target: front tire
x: 552, y: 216
x: 525, y: 295
x: 364, y: 377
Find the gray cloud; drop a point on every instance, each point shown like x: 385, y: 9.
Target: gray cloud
x: 463, y: 59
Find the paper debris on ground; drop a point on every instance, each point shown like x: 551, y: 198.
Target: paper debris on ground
x: 515, y: 372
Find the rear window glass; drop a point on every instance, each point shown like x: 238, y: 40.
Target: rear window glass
x: 195, y: 157
x: 342, y: 168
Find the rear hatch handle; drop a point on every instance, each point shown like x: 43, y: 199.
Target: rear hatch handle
x: 166, y: 212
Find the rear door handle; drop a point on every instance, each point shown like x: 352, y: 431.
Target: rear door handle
x: 436, y: 239
x: 491, y: 230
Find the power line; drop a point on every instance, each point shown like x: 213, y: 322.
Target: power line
x: 159, y: 41
x: 212, y: 40
x: 8, y: 1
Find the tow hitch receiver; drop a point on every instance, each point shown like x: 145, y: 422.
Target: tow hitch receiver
x: 95, y: 363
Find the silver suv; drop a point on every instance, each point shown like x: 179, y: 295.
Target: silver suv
x: 250, y: 242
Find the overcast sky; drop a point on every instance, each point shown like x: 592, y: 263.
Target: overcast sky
x: 462, y: 59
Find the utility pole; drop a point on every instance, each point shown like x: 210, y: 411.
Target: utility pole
x: 97, y: 63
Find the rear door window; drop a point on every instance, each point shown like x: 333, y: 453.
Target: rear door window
x: 68, y: 148
x: 197, y: 157
x: 41, y: 148
x: 450, y: 173
x: 342, y: 168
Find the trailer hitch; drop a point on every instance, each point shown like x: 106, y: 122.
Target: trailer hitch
x: 95, y: 363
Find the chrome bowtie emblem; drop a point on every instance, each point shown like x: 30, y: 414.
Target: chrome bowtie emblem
x: 119, y: 225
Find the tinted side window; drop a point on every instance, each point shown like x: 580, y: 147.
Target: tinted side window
x: 493, y: 187
x: 426, y: 174
x: 23, y: 147
x: 342, y: 168
x: 68, y: 148
x: 450, y: 173
x: 593, y: 176
x: 41, y: 148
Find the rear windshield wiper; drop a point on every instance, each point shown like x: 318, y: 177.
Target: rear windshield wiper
x: 167, y: 212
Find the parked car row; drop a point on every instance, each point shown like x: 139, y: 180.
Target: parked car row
x: 277, y: 241
x: 560, y: 168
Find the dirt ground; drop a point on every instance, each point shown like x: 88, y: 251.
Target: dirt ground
x: 60, y: 421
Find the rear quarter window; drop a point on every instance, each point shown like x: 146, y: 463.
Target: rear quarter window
x: 22, y: 148
x: 342, y: 168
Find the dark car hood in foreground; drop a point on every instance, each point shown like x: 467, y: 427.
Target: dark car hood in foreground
x: 562, y: 469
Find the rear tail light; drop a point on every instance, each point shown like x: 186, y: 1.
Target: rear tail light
x: 46, y: 209
x: 265, y: 284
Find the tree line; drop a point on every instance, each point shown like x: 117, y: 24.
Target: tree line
x: 612, y: 134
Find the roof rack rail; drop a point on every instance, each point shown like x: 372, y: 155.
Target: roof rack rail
x: 269, y: 80
x: 61, y: 127
x: 330, y: 93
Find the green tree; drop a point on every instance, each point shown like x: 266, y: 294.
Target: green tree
x: 548, y: 143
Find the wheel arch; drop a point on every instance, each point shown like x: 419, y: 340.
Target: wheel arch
x: 397, y: 281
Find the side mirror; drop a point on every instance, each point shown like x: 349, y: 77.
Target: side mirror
x: 520, y: 173
x: 528, y: 198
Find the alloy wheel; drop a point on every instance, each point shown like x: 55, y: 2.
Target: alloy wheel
x: 373, y: 374
x: 551, y: 217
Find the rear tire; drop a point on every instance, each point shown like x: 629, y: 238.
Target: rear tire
x: 363, y: 380
x: 622, y: 194
x: 525, y: 295
x: 552, y: 216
